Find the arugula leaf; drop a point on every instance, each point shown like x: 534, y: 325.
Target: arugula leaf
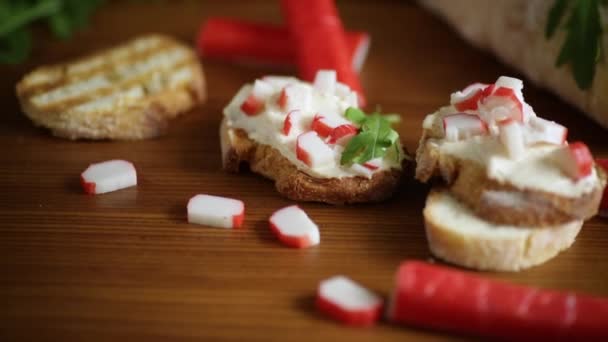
x: 373, y: 141
x: 582, y: 44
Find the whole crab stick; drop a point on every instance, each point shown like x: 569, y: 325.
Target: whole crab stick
x: 318, y: 36
x: 242, y: 41
x: 439, y: 297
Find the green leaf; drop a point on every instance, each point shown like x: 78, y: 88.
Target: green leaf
x: 582, y: 44
x: 15, y: 47
x: 556, y: 13
x: 373, y: 141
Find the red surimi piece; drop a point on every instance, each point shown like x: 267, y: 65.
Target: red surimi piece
x: 603, y: 163
x: 439, y: 297
x: 236, y: 40
x: 318, y: 35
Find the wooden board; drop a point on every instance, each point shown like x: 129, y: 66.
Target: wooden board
x: 127, y: 266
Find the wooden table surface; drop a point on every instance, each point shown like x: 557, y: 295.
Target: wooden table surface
x: 127, y: 265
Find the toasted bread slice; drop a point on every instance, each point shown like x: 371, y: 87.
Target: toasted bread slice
x: 127, y: 92
x: 500, y: 202
x: 238, y: 148
x: 457, y: 235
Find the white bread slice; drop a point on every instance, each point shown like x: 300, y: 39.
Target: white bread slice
x: 455, y: 234
x: 127, y: 92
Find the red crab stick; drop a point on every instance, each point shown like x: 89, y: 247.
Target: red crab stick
x: 318, y: 36
x: 438, y: 297
x: 236, y: 40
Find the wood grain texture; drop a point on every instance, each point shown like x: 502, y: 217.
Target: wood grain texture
x: 127, y: 266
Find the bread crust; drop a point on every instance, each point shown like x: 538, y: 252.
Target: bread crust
x: 147, y: 117
x: 468, y: 181
x: 492, y: 252
x: 238, y: 148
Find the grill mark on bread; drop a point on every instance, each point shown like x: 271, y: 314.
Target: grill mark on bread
x: 65, y: 74
x: 160, y: 75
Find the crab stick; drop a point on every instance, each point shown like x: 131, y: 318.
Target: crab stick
x: 237, y: 40
x: 442, y: 298
x: 318, y: 36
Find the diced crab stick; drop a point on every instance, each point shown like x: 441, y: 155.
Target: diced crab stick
x: 342, y: 134
x: 108, y: 176
x: 373, y: 164
x: 294, y: 228
x: 242, y: 41
x: 511, y: 136
x: 313, y: 151
x: 318, y: 35
x: 541, y: 130
x: 468, y: 98
x: 447, y: 299
x: 462, y: 126
x: 216, y: 211
x: 603, y: 163
x: 325, y: 81
x: 515, y: 84
x: 254, y: 103
x: 575, y: 160
x: 293, y: 122
x: 295, y: 96
x: 501, y: 104
x: 325, y: 125
x: 348, y: 302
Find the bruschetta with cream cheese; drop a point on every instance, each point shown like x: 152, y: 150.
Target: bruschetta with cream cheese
x: 312, y: 140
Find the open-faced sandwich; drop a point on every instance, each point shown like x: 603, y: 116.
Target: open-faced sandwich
x: 312, y: 140
x: 515, y: 191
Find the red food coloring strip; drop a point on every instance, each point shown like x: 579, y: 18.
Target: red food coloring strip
x: 319, y: 125
x: 442, y: 298
x: 237, y: 40
x: 88, y: 187
x: 487, y: 91
x: 471, y: 102
x: 318, y: 35
x: 252, y: 106
x: 342, y: 132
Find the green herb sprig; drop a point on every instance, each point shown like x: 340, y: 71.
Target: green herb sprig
x: 16, y: 16
x: 582, y: 46
x: 375, y: 139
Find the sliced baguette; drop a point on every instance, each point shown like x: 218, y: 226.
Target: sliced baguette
x: 238, y: 148
x: 127, y: 92
x: 455, y: 234
x: 500, y: 202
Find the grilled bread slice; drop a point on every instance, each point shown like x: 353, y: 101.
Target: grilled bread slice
x: 127, y: 92
x: 238, y: 148
x: 500, y: 202
x: 457, y: 235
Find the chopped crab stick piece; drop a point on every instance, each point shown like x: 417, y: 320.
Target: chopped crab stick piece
x: 254, y: 103
x: 348, y: 302
x: 294, y: 228
x: 443, y: 298
x: 501, y: 103
x: 108, y: 176
x: 236, y: 40
x: 575, y: 160
x: 325, y: 81
x: 468, y: 98
x: 216, y: 211
x: 373, y: 164
x: 342, y: 134
x: 603, y: 163
x: 324, y: 126
x: 511, y: 136
x: 318, y: 35
x: 295, y: 96
x: 546, y: 131
x: 462, y: 126
x: 293, y: 122
x: 313, y: 151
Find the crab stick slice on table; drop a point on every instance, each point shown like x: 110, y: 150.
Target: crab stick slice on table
x: 443, y: 298
x: 216, y: 211
x: 348, y: 302
x: 108, y: 176
x: 242, y: 41
x: 318, y: 35
x: 294, y: 228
